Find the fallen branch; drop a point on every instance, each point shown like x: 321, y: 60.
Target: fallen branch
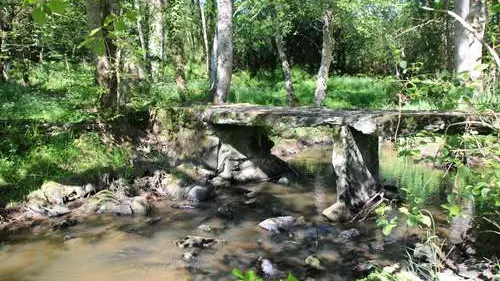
x: 470, y: 29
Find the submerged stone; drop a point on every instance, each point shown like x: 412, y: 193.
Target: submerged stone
x: 278, y: 224
x: 195, y: 242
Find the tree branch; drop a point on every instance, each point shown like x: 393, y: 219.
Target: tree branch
x: 469, y: 28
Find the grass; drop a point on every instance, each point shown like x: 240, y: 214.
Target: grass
x: 417, y: 183
x: 57, y: 94
x: 64, y: 156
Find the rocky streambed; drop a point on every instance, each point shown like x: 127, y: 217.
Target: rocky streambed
x: 186, y: 223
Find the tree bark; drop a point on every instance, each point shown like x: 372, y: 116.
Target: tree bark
x: 326, y: 59
x: 205, y: 36
x: 105, y: 49
x: 287, y: 72
x: 156, y: 44
x: 468, y: 48
x: 224, y: 50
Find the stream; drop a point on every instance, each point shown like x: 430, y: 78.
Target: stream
x: 108, y: 247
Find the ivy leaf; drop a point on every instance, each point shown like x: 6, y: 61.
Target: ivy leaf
x: 57, y: 6
x: 39, y: 15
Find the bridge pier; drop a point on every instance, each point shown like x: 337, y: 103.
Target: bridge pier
x: 355, y: 161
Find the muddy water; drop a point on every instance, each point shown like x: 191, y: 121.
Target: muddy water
x: 117, y: 248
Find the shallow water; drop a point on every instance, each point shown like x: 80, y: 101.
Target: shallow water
x: 118, y: 248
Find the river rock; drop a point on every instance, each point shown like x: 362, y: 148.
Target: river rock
x: 314, y: 262
x: 278, y: 224
x: 50, y: 199
x: 266, y: 268
x: 199, y: 193
x: 284, y: 181
x: 195, y: 242
x: 191, y: 257
x: 349, y: 234
x: 337, y: 212
x: 122, y: 209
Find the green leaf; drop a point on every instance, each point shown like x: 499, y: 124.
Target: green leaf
x: 291, y: 278
x: 250, y: 275
x: 237, y: 272
x: 57, y: 6
x: 120, y: 24
x: 404, y: 210
x: 39, y: 15
x: 403, y: 64
x: 387, y: 229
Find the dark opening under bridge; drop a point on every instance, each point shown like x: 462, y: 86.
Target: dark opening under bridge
x: 232, y: 141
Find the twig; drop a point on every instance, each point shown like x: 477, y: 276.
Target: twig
x: 469, y: 28
x: 416, y: 26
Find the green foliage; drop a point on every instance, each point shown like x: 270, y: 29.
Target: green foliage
x: 251, y: 276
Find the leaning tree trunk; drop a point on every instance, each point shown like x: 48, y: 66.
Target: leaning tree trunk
x: 104, y: 48
x: 287, y: 72
x: 156, y: 38
x: 224, y: 50
x: 468, y: 48
x: 326, y: 59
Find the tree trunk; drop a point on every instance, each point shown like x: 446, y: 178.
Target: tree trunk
x: 104, y: 49
x: 213, y: 65
x: 140, y: 32
x: 156, y: 44
x: 326, y: 59
x: 224, y: 50
x: 287, y: 72
x: 468, y: 48
x: 205, y: 36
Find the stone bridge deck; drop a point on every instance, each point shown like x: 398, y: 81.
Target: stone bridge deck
x: 241, y: 144
x: 366, y: 121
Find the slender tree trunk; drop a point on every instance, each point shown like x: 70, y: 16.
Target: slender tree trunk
x: 287, y: 72
x: 205, y: 36
x: 326, y: 59
x: 448, y: 39
x: 213, y: 65
x: 140, y: 32
x: 468, y: 48
x: 224, y: 50
x: 156, y: 44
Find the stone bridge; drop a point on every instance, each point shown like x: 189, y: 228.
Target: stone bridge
x: 231, y: 140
